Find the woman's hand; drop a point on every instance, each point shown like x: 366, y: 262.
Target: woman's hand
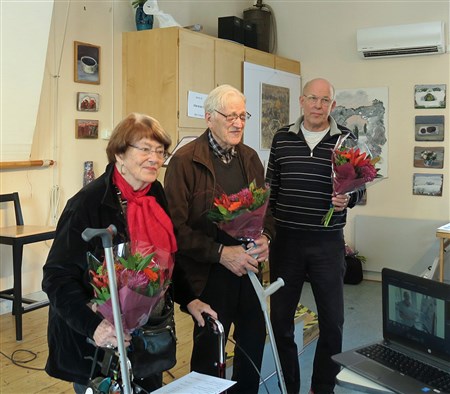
x: 197, y: 307
x: 105, y: 335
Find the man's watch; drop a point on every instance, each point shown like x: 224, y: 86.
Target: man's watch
x: 269, y: 239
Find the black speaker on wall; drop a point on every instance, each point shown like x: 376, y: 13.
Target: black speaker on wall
x: 231, y: 28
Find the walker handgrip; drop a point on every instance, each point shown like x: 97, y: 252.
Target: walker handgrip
x: 106, y: 234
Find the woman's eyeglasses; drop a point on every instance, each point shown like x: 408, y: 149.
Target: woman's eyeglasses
x: 160, y: 153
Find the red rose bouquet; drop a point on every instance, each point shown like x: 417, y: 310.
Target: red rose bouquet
x: 142, y: 279
x: 352, y: 168
x: 241, y: 215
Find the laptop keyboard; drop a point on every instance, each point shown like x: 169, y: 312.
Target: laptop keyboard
x: 422, y: 372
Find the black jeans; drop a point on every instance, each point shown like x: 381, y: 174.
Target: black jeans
x: 319, y: 257
x: 235, y: 301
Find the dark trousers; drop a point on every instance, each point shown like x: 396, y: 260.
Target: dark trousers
x: 235, y: 301
x: 318, y: 256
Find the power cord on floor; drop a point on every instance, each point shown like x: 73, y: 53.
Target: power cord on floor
x: 251, y: 361
x: 20, y: 362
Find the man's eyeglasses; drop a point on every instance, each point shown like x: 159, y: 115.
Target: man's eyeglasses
x: 232, y: 117
x: 325, y: 101
x: 160, y: 153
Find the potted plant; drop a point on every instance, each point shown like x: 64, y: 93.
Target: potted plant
x: 143, y: 21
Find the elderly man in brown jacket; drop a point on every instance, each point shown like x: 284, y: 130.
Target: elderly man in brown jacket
x: 211, y: 267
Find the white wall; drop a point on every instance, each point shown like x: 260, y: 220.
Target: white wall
x: 321, y: 34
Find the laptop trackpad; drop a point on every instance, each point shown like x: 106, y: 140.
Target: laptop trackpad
x: 374, y: 370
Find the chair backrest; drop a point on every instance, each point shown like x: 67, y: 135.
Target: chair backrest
x: 14, y: 197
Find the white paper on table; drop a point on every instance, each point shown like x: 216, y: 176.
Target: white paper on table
x: 196, y: 383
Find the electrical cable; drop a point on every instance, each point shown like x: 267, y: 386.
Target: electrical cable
x: 55, y: 191
x: 207, y: 329
x: 20, y: 362
x: 251, y: 361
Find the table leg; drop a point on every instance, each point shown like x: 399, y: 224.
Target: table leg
x: 17, y: 288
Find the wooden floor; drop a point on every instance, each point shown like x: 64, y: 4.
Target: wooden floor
x: 33, y: 379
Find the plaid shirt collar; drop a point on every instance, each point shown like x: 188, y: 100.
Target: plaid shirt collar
x: 225, y: 155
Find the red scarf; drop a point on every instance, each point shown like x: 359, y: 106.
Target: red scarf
x: 147, y: 221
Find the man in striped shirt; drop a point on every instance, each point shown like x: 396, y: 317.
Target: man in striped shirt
x: 299, y: 173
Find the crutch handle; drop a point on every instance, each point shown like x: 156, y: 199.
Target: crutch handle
x: 106, y: 234
x: 274, y: 286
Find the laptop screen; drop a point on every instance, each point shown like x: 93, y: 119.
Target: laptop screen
x: 416, y: 312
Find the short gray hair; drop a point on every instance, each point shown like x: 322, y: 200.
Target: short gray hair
x: 217, y: 98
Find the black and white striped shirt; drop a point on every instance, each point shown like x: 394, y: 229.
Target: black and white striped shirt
x: 300, y: 179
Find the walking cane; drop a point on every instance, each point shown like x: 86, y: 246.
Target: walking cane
x: 107, y: 236
x: 263, y: 294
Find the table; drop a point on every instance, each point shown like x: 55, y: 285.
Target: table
x: 444, y: 241
x: 17, y: 237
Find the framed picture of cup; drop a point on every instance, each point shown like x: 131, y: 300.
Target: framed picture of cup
x: 86, y: 63
x: 86, y: 128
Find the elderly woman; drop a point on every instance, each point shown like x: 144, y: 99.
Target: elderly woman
x: 136, y: 152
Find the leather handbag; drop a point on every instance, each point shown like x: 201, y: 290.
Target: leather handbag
x: 153, y: 346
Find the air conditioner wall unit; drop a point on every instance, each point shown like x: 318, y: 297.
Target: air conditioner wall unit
x: 402, y: 40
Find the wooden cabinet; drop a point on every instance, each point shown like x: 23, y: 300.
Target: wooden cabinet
x: 161, y: 66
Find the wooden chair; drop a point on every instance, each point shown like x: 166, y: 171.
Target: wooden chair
x: 17, y: 236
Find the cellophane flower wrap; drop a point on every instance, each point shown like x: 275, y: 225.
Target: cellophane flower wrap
x: 143, y: 274
x: 352, y: 168
x: 241, y: 215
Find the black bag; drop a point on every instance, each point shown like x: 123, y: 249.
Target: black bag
x: 153, y: 346
x: 354, y: 271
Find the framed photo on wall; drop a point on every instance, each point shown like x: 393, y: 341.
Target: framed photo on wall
x: 429, y: 96
x: 88, y: 102
x: 86, y: 128
x: 429, y: 156
x: 428, y: 184
x: 86, y: 63
x: 429, y: 128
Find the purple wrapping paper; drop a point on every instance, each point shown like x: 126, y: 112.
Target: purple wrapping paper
x: 247, y: 225
x: 137, y: 308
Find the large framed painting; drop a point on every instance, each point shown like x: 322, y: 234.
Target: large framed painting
x: 365, y: 112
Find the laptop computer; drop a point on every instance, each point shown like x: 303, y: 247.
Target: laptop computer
x: 416, y: 323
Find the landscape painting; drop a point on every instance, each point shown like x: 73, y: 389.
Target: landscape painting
x: 427, y: 184
x: 365, y: 112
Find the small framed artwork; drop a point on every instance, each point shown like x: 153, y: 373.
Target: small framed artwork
x: 429, y: 157
x: 88, y: 102
x: 86, y: 128
x: 429, y: 128
x: 427, y: 184
x: 429, y: 96
x: 86, y: 63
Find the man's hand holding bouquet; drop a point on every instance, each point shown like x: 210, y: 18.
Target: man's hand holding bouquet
x: 241, y: 216
x: 352, y: 168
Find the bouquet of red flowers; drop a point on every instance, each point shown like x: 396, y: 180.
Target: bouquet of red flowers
x: 241, y: 215
x: 352, y: 168
x: 143, y: 277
